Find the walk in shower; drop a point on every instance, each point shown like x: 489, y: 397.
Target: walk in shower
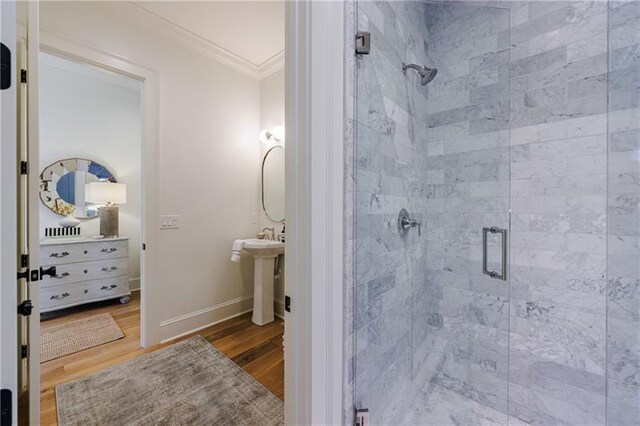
x: 495, y: 196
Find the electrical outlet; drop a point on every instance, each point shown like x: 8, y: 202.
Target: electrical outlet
x: 169, y: 222
x: 254, y: 218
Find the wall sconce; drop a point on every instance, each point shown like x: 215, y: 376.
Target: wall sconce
x: 274, y: 135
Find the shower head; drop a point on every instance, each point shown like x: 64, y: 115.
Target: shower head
x: 426, y: 74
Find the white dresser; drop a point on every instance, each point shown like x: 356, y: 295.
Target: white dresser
x: 87, y: 270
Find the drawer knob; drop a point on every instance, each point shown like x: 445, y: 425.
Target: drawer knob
x: 108, y: 250
x: 85, y: 271
x: 86, y: 291
x: 85, y: 252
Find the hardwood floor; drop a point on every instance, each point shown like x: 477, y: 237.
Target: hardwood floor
x: 258, y: 350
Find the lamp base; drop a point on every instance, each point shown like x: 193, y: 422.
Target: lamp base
x: 109, y: 221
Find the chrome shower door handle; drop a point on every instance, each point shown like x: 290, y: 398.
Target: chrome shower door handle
x: 493, y: 274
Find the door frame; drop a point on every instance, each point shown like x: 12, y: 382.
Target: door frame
x: 314, y: 81
x: 65, y: 47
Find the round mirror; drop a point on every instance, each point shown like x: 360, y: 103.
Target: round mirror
x: 273, y: 184
x: 62, y: 186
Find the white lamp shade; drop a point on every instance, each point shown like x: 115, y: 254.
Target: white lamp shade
x: 105, y: 192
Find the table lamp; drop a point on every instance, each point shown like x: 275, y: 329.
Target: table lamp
x: 109, y: 194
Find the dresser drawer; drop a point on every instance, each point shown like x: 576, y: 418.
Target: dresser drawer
x: 60, y: 254
x: 113, y: 287
x: 82, y: 271
x: 56, y: 297
x: 53, y: 297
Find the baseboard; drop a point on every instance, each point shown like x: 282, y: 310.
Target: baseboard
x: 134, y: 284
x: 194, y: 321
x: 278, y: 308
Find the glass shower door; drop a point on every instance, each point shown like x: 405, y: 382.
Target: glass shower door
x: 432, y: 214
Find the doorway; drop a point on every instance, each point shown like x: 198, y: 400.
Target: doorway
x: 90, y: 158
x: 245, y: 148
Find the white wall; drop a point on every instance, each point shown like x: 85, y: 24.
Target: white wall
x: 209, y: 119
x: 272, y: 114
x: 89, y: 113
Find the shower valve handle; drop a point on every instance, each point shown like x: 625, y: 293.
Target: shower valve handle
x: 412, y: 223
x: 405, y: 223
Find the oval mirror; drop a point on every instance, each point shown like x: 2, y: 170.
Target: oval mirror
x: 273, y: 184
x: 62, y: 186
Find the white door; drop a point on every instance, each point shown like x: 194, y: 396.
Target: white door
x: 20, y: 246
x: 8, y: 228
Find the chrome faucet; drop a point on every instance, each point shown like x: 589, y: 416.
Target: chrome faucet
x: 272, y: 237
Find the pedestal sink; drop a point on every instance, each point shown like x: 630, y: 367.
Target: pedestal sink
x: 264, y: 254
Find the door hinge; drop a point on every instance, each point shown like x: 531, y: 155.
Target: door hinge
x: 24, y: 260
x: 6, y: 407
x: 24, y: 167
x: 24, y: 351
x: 24, y: 275
x: 362, y: 417
x: 363, y: 43
x: 287, y: 303
x: 144, y: 246
x: 23, y: 76
x: 25, y: 308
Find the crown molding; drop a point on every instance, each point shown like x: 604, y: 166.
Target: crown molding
x: 211, y: 50
x: 271, y: 65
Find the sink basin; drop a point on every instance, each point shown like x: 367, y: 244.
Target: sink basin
x: 263, y: 248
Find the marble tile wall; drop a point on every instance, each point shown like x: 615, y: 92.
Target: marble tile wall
x: 527, y: 115
x: 623, y: 216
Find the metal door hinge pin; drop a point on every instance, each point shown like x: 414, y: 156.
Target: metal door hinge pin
x: 23, y: 76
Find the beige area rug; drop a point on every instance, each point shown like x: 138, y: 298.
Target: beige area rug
x: 75, y: 336
x: 188, y: 383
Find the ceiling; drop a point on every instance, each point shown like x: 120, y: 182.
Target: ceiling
x: 251, y: 30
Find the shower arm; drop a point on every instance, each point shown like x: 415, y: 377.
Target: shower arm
x: 405, y: 67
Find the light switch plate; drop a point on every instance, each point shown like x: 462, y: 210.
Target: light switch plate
x: 169, y: 222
